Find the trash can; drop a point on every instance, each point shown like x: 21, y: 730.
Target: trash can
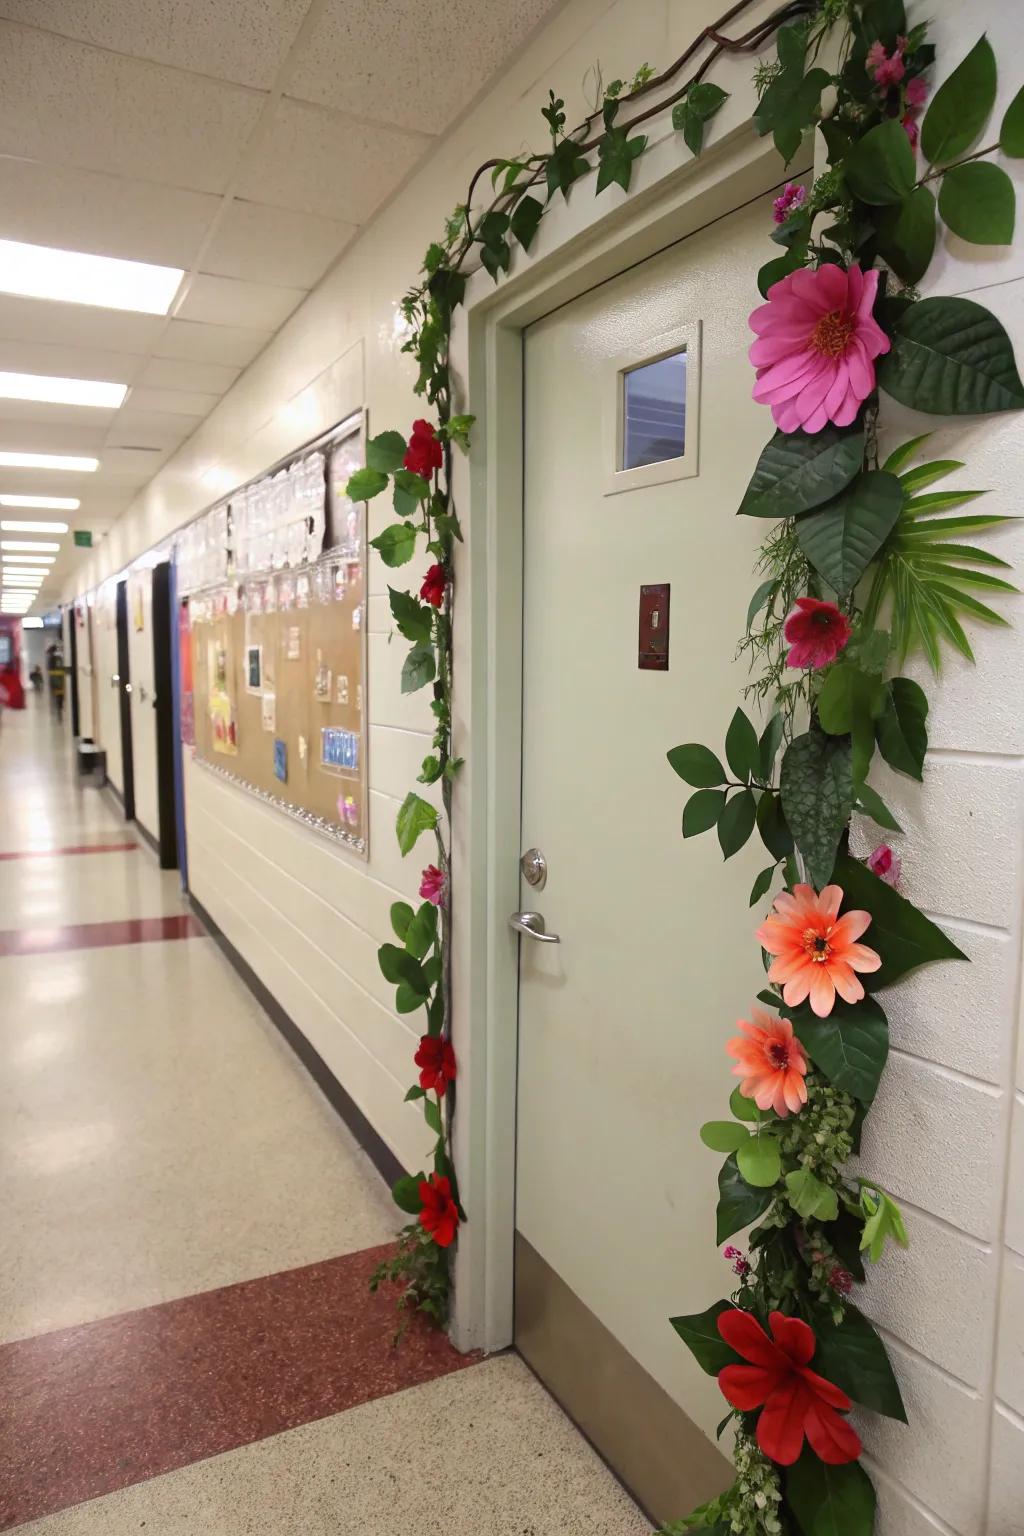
x: 92, y: 763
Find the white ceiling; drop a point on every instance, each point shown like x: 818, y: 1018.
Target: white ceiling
x: 244, y: 140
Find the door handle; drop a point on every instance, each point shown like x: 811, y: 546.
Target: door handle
x: 531, y: 924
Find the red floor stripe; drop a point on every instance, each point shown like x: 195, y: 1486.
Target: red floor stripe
x: 134, y: 930
x: 92, y: 1409
x: 53, y: 853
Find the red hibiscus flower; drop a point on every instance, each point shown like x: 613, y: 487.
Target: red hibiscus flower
x: 432, y: 885
x: 436, y: 1061
x: 816, y: 632
x: 794, y: 1401
x: 424, y: 453
x: 440, y: 1214
x: 434, y: 583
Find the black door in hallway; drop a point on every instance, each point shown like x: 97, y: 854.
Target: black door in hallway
x: 124, y: 701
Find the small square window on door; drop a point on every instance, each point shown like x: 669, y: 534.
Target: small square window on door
x: 652, y: 411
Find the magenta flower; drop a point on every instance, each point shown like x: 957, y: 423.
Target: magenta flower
x: 432, y: 885
x: 915, y: 92
x: 816, y: 347
x: 886, y: 864
x: 816, y: 632
x: 787, y: 201
x: 740, y: 1264
x: 887, y: 69
x: 909, y: 122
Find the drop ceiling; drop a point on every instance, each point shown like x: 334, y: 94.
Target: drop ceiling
x: 245, y: 141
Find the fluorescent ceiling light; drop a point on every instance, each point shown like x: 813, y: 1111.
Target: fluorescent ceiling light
x: 16, y: 601
x: 19, y: 574
x: 26, y: 570
x: 42, y: 272
x: 29, y: 559
x: 55, y: 391
x: 21, y: 527
x: 84, y: 466
x: 32, y: 623
x: 27, y: 544
x: 57, y: 503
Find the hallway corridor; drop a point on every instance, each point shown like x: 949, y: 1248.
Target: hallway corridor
x: 188, y: 1343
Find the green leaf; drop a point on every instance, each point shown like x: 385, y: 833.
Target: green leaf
x: 406, y: 1193
x: 771, y: 823
x: 415, y: 816
x: 699, y: 1332
x: 1011, y: 134
x: 401, y: 917
x: 414, y: 1093
x: 615, y: 155
x: 760, y: 599
x: 526, y: 216
x: 365, y: 484
x: 809, y: 1197
x: 977, y: 202
x: 781, y: 266
x: 851, y: 1046
x: 432, y: 1115
x: 960, y: 107
x: 564, y: 166
x: 951, y: 357
x: 736, y: 822
x: 738, y: 1203
x: 902, y: 935
x: 701, y: 102
x: 768, y: 746
x: 798, y: 471
x: 430, y: 770
x: 396, y: 544
x: 385, y: 452
x: 870, y: 802
x: 410, y: 490
x: 413, y: 619
x: 905, y: 234
x: 848, y: 704
x: 759, y: 1162
x: 817, y: 798
x: 398, y: 965
x: 422, y: 930
x: 853, y: 1357
x: 880, y: 167
x: 904, y: 453
x: 741, y: 748
x: 723, y: 1135
x: 408, y: 998
x: 884, y: 1223
x: 902, y: 729
x: 829, y: 1500
x: 702, y: 810
x: 841, y: 539
x: 761, y: 884
x: 697, y: 765
x: 746, y: 1110
x: 418, y: 668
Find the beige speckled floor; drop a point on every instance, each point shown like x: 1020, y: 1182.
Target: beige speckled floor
x: 484, y: 1452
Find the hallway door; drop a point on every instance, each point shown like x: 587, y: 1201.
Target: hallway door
x: 164, y: 633
x: 623, y: 1024
x: 124, y: 691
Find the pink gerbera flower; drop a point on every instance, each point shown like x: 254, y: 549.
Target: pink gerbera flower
x: 817, y: 342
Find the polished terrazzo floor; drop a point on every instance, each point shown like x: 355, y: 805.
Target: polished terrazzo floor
x: 187, y: 1342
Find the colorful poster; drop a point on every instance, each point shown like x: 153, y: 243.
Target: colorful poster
x: 188, y: 719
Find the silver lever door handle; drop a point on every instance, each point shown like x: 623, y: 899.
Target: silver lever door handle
x: 532, y: 925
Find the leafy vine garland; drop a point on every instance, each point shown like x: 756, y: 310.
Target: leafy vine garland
x: 862, y: 566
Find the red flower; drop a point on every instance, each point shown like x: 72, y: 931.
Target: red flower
x: 432, y: 885
x: 434, y: 583
x: 424, y: 453
x: 794, y: 1401
x: 440, y: 1214
x: 816, y: 632
x: 436, y: 1061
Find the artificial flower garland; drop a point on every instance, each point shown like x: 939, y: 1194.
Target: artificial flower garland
x: 852, y: 538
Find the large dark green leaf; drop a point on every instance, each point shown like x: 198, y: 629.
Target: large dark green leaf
x: 906, y: 234
x: 415, y: 620
x: 697, y: 765
x: 977, y: 202
x: 406, y: 1193
x: 901, y: 729
x: 842, y: 538
x: 799, y: 470
x: 525, y: 218
x: 419, y: 667
x: 702, y: 810
x: 880, y: 167
x: 742, y: 752
x: 1011, y: 134
x: 848, y: 705
x: 771, y: 823
x: 700, y: 103
x: 951, y: 357
x: 415, y: 816
x: 616, y: 153
x: 365, y: 484
x: 396, y: 544
x: 853, y: 1356
x: 736, y: 822
x: 738, y: 1203
x: 901, y: 935
x: 960, y: 107
x: 385, y: 452
x: 830, y: 1501
x: 851, y: 1046
x: 817, y: 798
x: 699, y: 1332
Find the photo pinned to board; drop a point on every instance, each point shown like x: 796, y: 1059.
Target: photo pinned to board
x: 281, y: 760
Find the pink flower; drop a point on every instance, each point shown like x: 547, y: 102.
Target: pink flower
x: 886, y: 864
x: 816, y: 632
x: 887, y: 70
x: 909, y: 122
x: 790, y: 199
x: 432, y: 885
x: 915, y: 92
x: 876, y: 57
x: 817, y: 342
x: 740, y: 1263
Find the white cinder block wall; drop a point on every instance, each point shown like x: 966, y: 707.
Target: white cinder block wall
x: 947, y: 1136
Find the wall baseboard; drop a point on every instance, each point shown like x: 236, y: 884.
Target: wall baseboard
x: 112, y: 788
x: 374, y: 1145
x: 147, y: 836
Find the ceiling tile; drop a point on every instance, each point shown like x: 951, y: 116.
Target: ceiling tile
x: 53, y: 415
x: 227, y: 300
x: 176, y: 402
x: 68, y: 362
x: 318, y: 162
x: 127, y: 466
x: 241, y: 40
x: 383, y: 62
x: 51, y: 437
x: 73, y: 105
x: 272, y: 245
x: 77, y: 325
x: 79, y: 210
x: 235, y: 344
x: 170, y: 373
x: 43, y: 482
x: 150, y: 429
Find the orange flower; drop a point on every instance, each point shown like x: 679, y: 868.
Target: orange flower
x: 816, y: 949
x: 771, y: 1063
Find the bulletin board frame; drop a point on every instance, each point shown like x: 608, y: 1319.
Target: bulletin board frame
x: 320, y: 715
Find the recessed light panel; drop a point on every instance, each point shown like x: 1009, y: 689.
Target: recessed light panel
x: 68, y: 461
x: 23, y: 527
x: 29, y: 559
x: 58, y: 503
x: 73, y: 277
x: 54, y: 391
x: 24, y: 545
x: 32, y: 623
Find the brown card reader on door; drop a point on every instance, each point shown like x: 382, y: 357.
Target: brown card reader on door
x: 654, y: 601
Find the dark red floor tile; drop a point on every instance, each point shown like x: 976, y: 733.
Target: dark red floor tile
x: 92, y: 1409
x: 133, y: 930
x: 55, y: 853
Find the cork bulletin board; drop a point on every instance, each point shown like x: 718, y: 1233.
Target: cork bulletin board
x: 279, y: 667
